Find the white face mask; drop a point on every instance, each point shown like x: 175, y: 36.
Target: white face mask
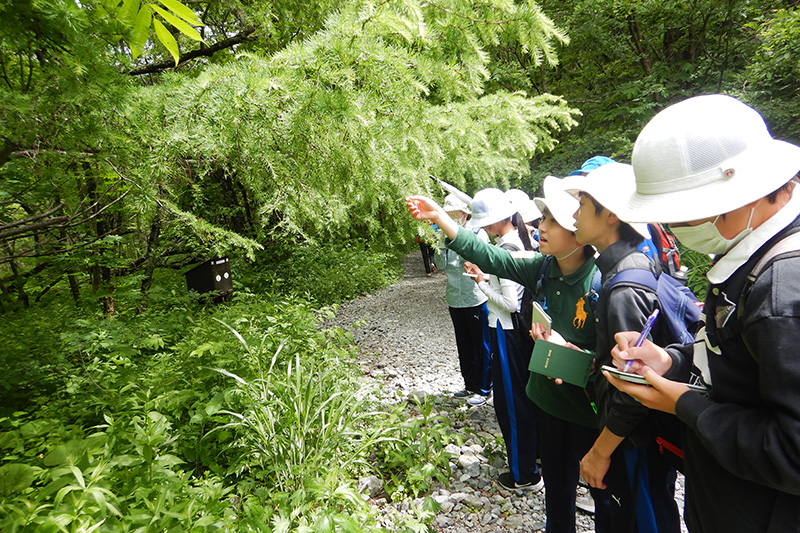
x: 706, y: 238
x: 461, y: 220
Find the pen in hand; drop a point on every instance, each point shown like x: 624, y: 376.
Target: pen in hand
x: 642, y: 336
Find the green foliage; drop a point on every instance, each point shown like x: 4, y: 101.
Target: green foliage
x: 317, y: 142
x: 125, y: 424
x: 628, y: 59
x: 411, y: 454
x: 322, y: 141
x: 698, y: 264
x: 298, y: 414
x: 327, y: 274
x: 770, y: 82
x: 120, y: 475
x: 134, y: 20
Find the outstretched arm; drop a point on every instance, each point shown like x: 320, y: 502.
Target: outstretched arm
x: 423, y: 208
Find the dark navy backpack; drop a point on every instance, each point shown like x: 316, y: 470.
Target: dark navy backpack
x: 680, y: 308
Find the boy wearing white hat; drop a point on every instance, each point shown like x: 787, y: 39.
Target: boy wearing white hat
x: 710, y: 169
x: 467, y: 306
x: 624, y: 457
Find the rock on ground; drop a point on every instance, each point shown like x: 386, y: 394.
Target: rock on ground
x: 406, y: 343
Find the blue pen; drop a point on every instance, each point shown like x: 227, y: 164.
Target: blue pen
x: 642, y: 336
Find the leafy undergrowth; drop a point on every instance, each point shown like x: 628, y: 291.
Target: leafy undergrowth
x: 242, y: 416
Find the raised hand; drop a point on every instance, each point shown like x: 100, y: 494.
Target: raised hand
x: 423, y: 208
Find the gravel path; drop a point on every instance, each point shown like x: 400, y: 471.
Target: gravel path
x: 407, y: 344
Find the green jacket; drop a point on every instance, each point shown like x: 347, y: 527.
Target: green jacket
x: 567, y: 304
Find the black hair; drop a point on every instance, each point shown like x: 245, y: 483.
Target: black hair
x: 628, y: 234
x: 598, y: 207
x: 786, y: 187
x: 524, y: 236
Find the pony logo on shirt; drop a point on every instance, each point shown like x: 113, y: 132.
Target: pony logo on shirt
x: 580, y: 314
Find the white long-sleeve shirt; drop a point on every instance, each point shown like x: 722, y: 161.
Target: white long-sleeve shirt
x: 504, y: 295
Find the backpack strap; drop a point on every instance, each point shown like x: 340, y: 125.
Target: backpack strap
x: 784, y: 246
x: 637, y: 276
x: 547, y: 264
x: 594, y: 290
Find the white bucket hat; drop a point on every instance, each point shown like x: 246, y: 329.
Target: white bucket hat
x: 611, y: 185
x: 489, y: 206
x: 523, y: 204
x: 454, y: 203
x: 560, y: 204
x: 703, y: 157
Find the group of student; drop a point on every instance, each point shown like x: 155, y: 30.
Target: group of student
x: 709, y: 169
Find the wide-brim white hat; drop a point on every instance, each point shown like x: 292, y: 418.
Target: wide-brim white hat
x: 703, y: 157
x: 489, y: 206
x: 611, y: 185
x: 559, y: 203
x: 523, y: 204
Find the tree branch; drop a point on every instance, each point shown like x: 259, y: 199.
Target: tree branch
x: 33, y: 153
x: 166, y: 64
x: 31, y: 219
x: 32, y: 228
x: 32, y: 252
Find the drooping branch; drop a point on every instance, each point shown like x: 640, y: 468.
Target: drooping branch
x: 30, y: 220
x: 166, y: 64
x: 35, y: 224
x: 33, y: 228
x: 32, y: 154
x: 37, y: 251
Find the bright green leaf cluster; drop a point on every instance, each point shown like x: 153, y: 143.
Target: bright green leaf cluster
x: 136, y: 19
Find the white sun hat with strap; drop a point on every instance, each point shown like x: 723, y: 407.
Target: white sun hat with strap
x: 454, y: 203
x: 611, y: 185
x: 523, y: 204
x: 489, y: 206
x: 560, y: 204
x: 703, y: 157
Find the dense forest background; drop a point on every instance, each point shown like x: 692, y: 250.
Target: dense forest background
x: 140, y: 138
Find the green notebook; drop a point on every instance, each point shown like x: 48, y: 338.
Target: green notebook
x: 556, y: 361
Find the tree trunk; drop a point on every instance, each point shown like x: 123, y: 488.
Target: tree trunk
x: 149, y: 264
x: 101, y: 274
x: 108, y: 300
x: 74, y: 288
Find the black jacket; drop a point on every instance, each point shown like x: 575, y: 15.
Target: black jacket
x: 624, y: 308
x: 742, y: 447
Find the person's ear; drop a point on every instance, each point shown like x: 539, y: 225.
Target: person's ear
x: 611, y: 218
